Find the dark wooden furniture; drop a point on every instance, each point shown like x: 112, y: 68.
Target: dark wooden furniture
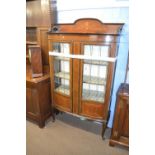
x: 39, y: 18
x: 38, y: 37
x: 35, y: 58
x: 38, y: 98
x: 38, y: 13
x: 38, y: 101
x: 82, y: 86
x: 120, y: 130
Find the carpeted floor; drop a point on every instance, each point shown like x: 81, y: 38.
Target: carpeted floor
x: 69, y: 135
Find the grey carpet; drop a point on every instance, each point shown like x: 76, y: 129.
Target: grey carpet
x: 69, y: 135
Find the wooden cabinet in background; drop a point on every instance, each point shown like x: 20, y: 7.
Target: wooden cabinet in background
x: 120, y: 130
x: 38, y: 36
x: 35, y: 57
x: 38, y: 100
x: 40, y: 15
x: 82, y: 63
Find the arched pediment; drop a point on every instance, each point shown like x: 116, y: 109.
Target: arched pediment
x: 88, y: 26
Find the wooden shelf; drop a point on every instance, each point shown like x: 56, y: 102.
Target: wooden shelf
x: 64, y: 89
x: 94, y: 80
x: 61, y: 58
x: 93, y: 95
x: 94, y: 62
x: 64, y: 75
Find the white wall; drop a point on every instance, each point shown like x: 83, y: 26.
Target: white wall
x: 108, y: 11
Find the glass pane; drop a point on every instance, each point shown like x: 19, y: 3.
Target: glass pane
x: 62, y: 69
x: 95, y: 73
x: 61, y: 48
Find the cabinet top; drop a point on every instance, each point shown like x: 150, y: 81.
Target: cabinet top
x: 88, y: 26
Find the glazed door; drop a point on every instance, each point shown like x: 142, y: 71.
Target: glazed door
x: 61, y: 76
x: 96, y: 79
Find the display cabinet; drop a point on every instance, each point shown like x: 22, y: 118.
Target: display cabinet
x: 82, y: 64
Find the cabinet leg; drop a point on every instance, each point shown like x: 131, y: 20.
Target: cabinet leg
x: 53, y: 116
x: 41, y: 124
x: 111, y: 143
x: 104, y: 126
x: 56, y: 111
x: 53, y: 113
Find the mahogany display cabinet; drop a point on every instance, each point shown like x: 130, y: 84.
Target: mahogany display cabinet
x: 120, y: 130
x: 82, y: 59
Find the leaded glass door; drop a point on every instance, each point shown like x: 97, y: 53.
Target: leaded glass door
x: 62, y: 75
x: 94, y: 78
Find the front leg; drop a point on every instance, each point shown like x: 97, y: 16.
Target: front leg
x: 104, y: 126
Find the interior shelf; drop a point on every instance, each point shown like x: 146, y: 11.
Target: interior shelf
x: 93, y: 95
x: 95, y: 62
x: 63, y: 89
x: 94, y: 80
x: 64, y: 75
x: 61, y: 58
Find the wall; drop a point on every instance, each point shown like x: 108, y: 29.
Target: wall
x: 108, y: 11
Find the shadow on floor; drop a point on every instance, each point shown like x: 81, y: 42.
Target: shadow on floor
x: 86, y: 125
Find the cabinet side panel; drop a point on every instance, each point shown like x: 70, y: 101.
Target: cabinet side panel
x: 44, y: 98
x: 35, y: 101
x: 29, y: 107
x: 32, y: 106
x: 125, y: 128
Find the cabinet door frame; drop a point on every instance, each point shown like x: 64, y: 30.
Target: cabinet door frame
x: 62, y: 96
x: 103, y: 108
